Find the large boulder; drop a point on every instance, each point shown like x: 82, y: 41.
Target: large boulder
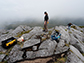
x: 76, y: 52
x: 21, y: 28
x: 60, y: 50
x: 30, y: 43
x: 76, y: 43
x: 36, y: 54
x: 32, y: 33
x: 45, y: 49
x: 49, y: 45
x: 15, y: 55
x: 72, y: 58
x: 64, y: 34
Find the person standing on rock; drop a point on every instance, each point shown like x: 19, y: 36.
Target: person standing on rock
x: 46, y: 18
x: 69, y: 25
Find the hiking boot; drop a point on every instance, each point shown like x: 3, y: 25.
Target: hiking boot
x: 46, y: 31
x: 43, y: 30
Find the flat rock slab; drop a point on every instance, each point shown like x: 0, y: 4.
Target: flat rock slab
x: 45, y: 49
x: 36, y: 54
x: 21, y: 28
x: 15, y: 54
x: 61, y: 43
x: 60, y: 50
x: 30, y: 43
x: 76, y: 52
x: 32, y: 32
x: 2, y: 57
x: 49, y: 45
x: 42, y: 53
x: 72, y: 58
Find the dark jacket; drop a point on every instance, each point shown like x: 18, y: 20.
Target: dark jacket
x: 69, y: 24
x: 46, y: 18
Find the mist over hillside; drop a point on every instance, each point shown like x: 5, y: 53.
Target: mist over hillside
x: 36, y: 22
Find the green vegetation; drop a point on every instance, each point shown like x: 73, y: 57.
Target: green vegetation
x: 67, y: 44
x: 8, y: 51
x: 43, y: 39
x: 83, y: 41
x: 1, y: 52
x: 73, y: 27
x: 57, y: 30
x: 83, y: 54
x: 23, y: 32
x: 60, y: 60
x: 70, y: 32
x: 49, y: 32
x: 20, y: 43
x: 81, y: 26
x: 70, y: 50
x: 65, y: 29
x: 81, y: 31
x: 4, y: 62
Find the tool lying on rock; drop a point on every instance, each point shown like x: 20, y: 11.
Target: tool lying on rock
x: 9, y: 42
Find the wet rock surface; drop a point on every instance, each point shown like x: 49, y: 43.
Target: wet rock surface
x: 39, y: 44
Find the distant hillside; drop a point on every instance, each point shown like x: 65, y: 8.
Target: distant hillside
x: 52, y: 23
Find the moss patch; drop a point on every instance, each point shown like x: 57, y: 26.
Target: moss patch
x: 57, y: 30
x: 70, y: 32
x: 73, y: 27
x: 67, y: 44
x: 4, y: 62
x: 65, y: 29
x: 49, y: 32
x: 43, y: 39
x: 8, y: 51
x: 2, y: 53
x: 23, y: 32
x: 83, y: 54
x: 81, y: 26
x: 19, y: 43
x: 60, y: 60
x: 81, y: 31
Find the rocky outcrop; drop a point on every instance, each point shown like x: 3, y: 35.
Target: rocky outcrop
x: 32, y: 32
x: 72, y: 58
x: 76, y: 52
x: 30, y: 43
x: 21, y: 28
x: 15, y: 54
x: 39, y: 44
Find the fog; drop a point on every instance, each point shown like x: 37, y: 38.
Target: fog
x: 21, y: 10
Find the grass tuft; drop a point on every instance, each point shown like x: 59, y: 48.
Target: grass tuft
x: 73, y: 27
x: 23, y: 32
x: 65, y: 29
x: 81, y: 26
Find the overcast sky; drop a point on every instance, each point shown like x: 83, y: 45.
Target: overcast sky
x: 23, y: 9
